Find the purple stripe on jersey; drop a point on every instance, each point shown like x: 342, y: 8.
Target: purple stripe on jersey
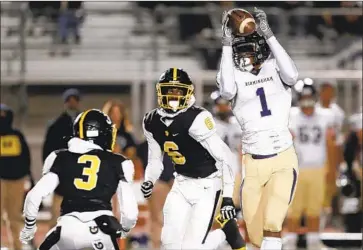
x: 240, y: 195
x: 261, y: 157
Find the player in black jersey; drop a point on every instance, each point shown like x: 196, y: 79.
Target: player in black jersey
x: 89, y: 174
x: 187, y: 134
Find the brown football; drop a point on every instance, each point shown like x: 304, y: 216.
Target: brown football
x: 241, y: 22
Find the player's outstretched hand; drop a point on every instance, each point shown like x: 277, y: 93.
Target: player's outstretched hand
x: 27, y: 234
x: 263, y: 29
x: 228, y: 210
x: 147, y: 189
x: 227, y: 36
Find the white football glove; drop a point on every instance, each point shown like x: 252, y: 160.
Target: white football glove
x: 263, y: 29
x: 227, y: 36
x: 27, y: 234
x: 228, y: 210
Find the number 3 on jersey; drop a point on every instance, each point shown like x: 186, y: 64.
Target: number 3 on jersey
x: 265, y: 111
x: 90, y: 172
x: 171, y: 149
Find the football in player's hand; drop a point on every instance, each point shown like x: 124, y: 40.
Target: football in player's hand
x: 241, y: 22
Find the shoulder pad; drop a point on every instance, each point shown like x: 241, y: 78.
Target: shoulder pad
x: 149, y: 116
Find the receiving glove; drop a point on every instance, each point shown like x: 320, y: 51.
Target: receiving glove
x: 227, y: 36
x: 28, y: 232
x: 228, y: 210
x: 147, y: 189
x: 263, y: 29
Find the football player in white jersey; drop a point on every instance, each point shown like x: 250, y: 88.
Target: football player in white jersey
x: 256, y: 74
x: 314, y: 140
x: 326, y: 100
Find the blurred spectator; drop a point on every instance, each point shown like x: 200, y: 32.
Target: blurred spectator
x: 347, y: 24
x: 14, y: 170
x: 351, y: 179
x: 58, y: 133
x: 160, y: 191
x: 47, y: 9
x: 125, y: 143
x: 69, y: 20
x: 327, y: 100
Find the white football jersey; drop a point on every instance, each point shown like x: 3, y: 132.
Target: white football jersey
x: 261, y: 107
x: 310, y: 135
x: 230, y: 133
x: 339, y: 115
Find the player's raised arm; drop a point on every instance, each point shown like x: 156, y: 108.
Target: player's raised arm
x: 154, y: 166
x: 46, y: 185
x: 126, y: 198
x: 203, y: 130
x: 225, y: 77
x: 286, y: 66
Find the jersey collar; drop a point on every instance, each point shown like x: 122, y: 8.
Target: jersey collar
x: 80, y: 146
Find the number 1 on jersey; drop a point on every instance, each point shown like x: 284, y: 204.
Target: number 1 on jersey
x: 261, y: 93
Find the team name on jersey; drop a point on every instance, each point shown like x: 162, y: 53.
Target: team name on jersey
x: 263, y: 80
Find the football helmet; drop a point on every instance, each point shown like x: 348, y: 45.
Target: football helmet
x: 221, y: 107
x: 249, y: 51
x: 174, y: 89
x: 306, y: 92
x: 95, y: 126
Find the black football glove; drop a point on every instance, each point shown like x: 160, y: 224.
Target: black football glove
x: 147, y: 189
x: 228, y: 211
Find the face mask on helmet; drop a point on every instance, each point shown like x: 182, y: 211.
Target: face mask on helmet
x: 307, y: 98
x: 174, y: 97
x: 95, y: 127
x: 174, y: 90
x: 249, y: 51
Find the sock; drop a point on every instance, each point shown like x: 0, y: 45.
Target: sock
x: 271, y: 243
x: 289, y: 241
x: 233, y: 236
x: 313, y: 240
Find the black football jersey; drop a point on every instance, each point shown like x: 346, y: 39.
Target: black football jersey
x: 190, y: 158
x: 88, y: 181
